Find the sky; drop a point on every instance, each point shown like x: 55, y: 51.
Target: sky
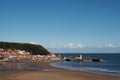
x: 85, y: 26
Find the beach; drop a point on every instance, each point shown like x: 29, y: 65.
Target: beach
x: 52, y: 73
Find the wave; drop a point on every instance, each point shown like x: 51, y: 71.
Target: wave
x: 99, y: 69
x: 96, y: 70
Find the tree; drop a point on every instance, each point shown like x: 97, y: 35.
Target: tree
x: 32, y: 48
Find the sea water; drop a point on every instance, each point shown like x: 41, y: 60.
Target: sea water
x: 110, y: 66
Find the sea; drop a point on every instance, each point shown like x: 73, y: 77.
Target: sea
x: 110, y: 66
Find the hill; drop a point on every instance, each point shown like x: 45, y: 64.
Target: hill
x: 34, y: 49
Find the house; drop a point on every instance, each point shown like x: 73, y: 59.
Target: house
x: 1, y: 56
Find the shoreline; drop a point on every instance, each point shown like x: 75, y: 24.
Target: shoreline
x: 52, y: 73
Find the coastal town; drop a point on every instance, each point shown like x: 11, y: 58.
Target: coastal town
x: 22, y: 55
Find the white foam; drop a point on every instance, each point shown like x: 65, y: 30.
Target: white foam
x: 89, y: 69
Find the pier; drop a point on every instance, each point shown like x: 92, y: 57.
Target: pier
x: 82, y: 59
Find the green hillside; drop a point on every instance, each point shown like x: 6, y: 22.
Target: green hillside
x: 32, y: 48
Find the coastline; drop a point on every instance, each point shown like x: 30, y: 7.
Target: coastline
x: 52, y: 73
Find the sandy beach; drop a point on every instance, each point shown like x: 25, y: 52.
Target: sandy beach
x: 53, y: 74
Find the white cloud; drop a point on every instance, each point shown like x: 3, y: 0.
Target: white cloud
x: 80, y: 46
x: 69, y: 46
x: 32, y: 42
x: 72, y: 45
x: 107, y: 46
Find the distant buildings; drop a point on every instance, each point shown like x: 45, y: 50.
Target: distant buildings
x: 18, y: 55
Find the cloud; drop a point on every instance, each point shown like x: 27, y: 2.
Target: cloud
x: 32, y: 42
x: 108, y: 46
x: 72, y: 45
x: 80, y: 46
x: 69, y: 46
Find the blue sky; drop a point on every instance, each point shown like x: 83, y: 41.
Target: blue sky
x: 62, y: 25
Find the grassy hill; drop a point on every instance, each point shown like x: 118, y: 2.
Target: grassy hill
x: 32, y: 48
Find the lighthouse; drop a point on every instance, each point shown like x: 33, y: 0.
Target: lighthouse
x: 81, y: 57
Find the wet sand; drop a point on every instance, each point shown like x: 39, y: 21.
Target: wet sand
x: 53, y: 74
